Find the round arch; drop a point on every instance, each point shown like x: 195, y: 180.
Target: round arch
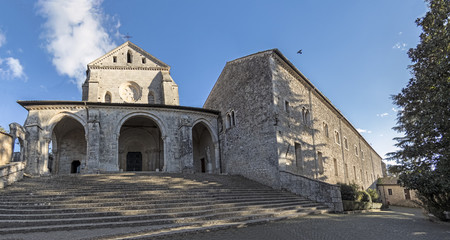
x: 69, y: 144
x: 205, y: 157
x: 151, y: 116
x: 208, y: 125
x: 131, y: 131
x: 57, y: 118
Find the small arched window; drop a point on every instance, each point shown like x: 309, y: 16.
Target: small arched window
x: 233, y: 119
x: 108, y: 97
x: 305, y: 115
x: 228, y: 121
x: 337, y: 137
x: 325, y: 129
x: 129, y: 57
x: 151, y: 98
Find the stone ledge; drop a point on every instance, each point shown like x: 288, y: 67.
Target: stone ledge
x: 11, y: 173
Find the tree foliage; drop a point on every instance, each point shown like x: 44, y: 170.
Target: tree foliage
x: 2, y: 129
x: 424, y: 118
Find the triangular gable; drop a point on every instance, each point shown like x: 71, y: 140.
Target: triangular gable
x: 120, y: 52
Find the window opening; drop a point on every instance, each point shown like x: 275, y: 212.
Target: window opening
x: 337, y: 137
x: 107, y: 97
x: 114, y: 59
x: 286, y: 106
x: 298, y: 156
x: 320, y: 162
x: 336, y: 172
x: 325, y: 129
x: 129, y: 57
x: 233, y: 119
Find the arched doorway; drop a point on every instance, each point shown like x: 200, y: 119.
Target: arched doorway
x: 140, y: 145
x: 68, y: 146
x: 75, y: 167
x: 204, y: 154
x: 18, y: 150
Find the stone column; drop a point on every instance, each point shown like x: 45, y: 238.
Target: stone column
x: 217, y: 157
x: 34, y: 149
x: 93, y: 142
x: 43, y: 168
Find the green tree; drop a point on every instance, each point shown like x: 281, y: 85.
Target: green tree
x: 424, y: 118
x: 2, y: 129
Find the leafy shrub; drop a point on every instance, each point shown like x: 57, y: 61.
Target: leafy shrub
x: 363, y: 196
x: 348, y: 191
x: 374, y: 195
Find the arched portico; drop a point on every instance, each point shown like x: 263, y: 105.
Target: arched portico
x: 140, y: 143
x: 68, y: 136
x: 205, y: 148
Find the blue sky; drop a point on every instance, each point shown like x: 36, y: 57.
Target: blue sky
x: 354, y: 51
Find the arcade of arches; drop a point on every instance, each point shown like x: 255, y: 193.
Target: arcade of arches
x: 140, y: 145
x: 68, y: 146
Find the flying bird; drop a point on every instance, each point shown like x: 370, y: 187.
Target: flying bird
x: 299, y: 51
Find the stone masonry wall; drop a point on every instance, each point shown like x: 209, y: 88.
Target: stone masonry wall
x: 248, y: 146
x: 342, y: 149
x: 312, y: 189
x: 11, y: 173
x: 6, y: 148
x: 102, y: 124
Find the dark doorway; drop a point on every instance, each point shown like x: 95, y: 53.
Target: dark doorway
x: 407, y: 195
x: 134, y: 161
x: 75, y: 168
x: 203, y: 165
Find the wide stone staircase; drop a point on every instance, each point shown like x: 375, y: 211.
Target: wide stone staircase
x: 140, y: 205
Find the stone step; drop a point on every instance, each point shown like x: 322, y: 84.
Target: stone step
x: 114, y: 195
x: 159, y: 203
x: 221, y: 217
x: 98, y: 213
x: 153, y: 203
x: 211, y: 213
x: 166, y: 208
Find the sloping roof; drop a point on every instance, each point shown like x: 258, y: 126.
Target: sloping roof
x: 28, y: 104
x: 294, y: 69
x: 388, y: 181
x: 133, y: 46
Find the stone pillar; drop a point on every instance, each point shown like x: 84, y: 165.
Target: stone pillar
x: 217, y: 157
x: 34, y: 149
x: 93, y: 142
x: 43, y: 168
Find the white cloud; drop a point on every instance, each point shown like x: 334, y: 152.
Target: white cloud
x: 11, y: 68
x: 399, y: 45
x: 363, y: 130
x: 382, y: 114
x: 2, y: 38
x: 76, y: 33
x: 400, y: 33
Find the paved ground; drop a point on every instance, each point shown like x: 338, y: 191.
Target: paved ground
x: 396, y: 223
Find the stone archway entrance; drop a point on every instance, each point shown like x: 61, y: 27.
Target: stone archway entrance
x: 204, y: 151
x: 68, y: 146
x: 140, y: 145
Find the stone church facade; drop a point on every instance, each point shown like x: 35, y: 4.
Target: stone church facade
x: 263, y: 119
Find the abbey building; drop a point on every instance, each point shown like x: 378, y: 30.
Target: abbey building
x: 263, y: 120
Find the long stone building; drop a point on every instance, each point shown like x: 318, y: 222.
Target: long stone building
x: 263, y: 119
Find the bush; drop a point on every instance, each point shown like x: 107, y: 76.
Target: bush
x: 374, y: 195
x: 348, y: 191
x: 363, y: 196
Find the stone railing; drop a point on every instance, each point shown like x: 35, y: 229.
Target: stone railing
x: 312, y: 189
x: 11, y: 173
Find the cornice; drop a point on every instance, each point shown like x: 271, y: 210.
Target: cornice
x: 129, y: 68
